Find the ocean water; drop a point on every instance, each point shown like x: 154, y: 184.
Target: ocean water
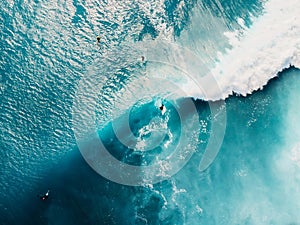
x: 82, y: 118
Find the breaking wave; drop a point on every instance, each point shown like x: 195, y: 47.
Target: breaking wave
x: 259, y: 53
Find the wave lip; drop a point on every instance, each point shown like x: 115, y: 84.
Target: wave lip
x: 271, y: 45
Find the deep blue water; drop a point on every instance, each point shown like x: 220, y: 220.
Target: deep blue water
x: 47, y: 48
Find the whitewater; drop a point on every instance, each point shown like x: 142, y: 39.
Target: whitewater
x: 257, y: 53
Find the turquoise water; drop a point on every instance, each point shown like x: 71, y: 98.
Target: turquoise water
x: 48, y: 48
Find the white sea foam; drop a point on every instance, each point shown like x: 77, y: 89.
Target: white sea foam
x: 269, y: 46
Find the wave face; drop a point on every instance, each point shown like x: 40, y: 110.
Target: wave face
x: 59, y: 89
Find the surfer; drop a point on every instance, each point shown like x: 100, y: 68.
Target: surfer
x: 45, y: 196
x: 143, y: 58
x: 98, y: 39
x: 161, y: 107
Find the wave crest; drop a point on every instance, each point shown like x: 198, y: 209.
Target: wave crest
x: 271, y: 45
